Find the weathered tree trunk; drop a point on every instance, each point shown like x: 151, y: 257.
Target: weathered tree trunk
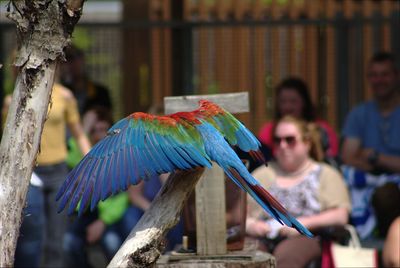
x: 144, y: 244
x: 44, y: 28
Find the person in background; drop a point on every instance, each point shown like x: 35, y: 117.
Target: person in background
x: 142, y: 195
x: 293, y: 98
x: 371, y: 149
x: 391, y: 249
x: 52, y: 170
x: 31, y: 232
x: 73, y: 75
x: 312, y: 191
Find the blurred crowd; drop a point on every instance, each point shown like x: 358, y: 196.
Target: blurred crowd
x: 323, y: 177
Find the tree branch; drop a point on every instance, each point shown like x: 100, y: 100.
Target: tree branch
x: 144, y: 244
x: 43, y: 29
x: 73, y: 6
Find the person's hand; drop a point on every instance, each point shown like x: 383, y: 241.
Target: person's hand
x: 94, y: 231
x: 365, y: 153
x: 362, y: 159
x: 258, y: 228
x: 288, y: 231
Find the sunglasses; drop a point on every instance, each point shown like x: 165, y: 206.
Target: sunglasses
x: 289, y: 140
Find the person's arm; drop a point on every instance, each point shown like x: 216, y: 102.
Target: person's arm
x: 80, y: 137
x: 74, y: 123
x: 333, y: 216
x: 352, y: 155
x: 256, y: 227
x: 383, y: 161
x: 95, y: 231
x: 330, y: 217
x: 391, y: 248
x: 137, y: 198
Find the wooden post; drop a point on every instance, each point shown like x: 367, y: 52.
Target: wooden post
x: 210, y: 213
x: 210, y: 193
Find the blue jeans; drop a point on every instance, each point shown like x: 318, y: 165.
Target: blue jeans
x: 30, y: 240
x: 55, y: 223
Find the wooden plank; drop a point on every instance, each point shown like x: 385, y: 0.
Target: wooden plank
x: 242, y: 67
x: 259, y: 96
x: 330, y: 73
x: 245, y: 259
x: 136, y: 45
x: 167, y: 51
x: 210, y: 213
x: 203, y: 50
x: 311, y: 52
x: 242, y: 54
x: 386, y: 9
x: 221, y: 51
x: 275, y: 45
x: 187, y: 9
x: 156, y: 63
x: 293, y: 33
x: 348, y: 8
x: 237, y: 102
x: 367, y: 11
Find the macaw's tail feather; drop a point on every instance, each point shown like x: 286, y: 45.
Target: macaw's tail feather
x: 266, y: 197
x: 258, y: 156
x: 268, y: 202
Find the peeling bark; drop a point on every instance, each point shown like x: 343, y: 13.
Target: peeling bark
x: 44, y: 28
x: 144, y: 244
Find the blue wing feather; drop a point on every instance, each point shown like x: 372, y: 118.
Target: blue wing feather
x: 134, y: 149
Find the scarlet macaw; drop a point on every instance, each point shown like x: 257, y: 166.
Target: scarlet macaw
x: 141, y: 146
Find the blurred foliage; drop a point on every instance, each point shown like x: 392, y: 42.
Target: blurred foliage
x: 81, y: 38
x: 213, y: 88
x: 8, y: 76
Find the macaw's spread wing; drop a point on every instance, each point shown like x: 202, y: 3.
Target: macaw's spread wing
x: 137, y: 147
x: 231, y: 128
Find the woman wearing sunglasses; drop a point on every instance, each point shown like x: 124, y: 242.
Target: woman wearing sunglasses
x: 312, y: 191
x: 293, y: 98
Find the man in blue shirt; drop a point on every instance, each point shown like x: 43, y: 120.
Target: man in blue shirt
x: 372, y: 135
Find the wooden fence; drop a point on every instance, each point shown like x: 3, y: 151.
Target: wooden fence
x: 250, y: 45
x: 182, y: 47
